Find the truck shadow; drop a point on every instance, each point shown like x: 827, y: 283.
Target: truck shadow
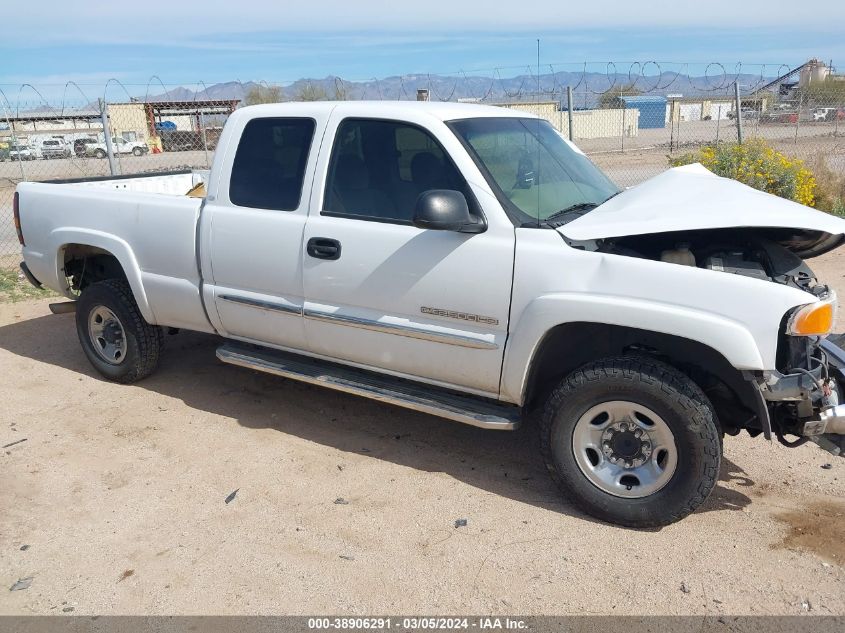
x: 506, y: 464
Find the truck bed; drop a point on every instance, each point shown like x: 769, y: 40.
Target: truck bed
x: 148, y: 223
x: 176, y: 183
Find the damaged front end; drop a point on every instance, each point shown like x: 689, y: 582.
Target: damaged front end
x: 800, y: 398
x: 804, y: 399
x: 672, y: 218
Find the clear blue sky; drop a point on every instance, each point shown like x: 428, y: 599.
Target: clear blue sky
x: 183, y: 43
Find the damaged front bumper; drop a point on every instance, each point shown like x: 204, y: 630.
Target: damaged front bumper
x: 805, y: 402
x: 831, y: 420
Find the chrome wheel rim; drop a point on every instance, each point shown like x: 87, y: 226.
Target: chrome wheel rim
x: 625, y: 449
x: 107, y: 335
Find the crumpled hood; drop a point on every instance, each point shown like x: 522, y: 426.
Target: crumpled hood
x: 693, y: 198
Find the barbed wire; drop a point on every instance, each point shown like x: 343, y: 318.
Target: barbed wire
x: 176, y: 125
x: 502, y: 83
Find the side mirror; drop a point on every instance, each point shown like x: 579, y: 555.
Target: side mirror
x: 445, y: 210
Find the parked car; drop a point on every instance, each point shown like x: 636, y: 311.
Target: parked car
x: 21, y: 151
x: 469, y: 262
x: 828, y: 114
x: 820, y: 114
x: 779, y: 116
x: 80, y: 146
x: 119, y: 146
x: 747, y: 114
x: 53, y: 148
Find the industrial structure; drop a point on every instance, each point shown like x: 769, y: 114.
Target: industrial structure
x: 157, y: 123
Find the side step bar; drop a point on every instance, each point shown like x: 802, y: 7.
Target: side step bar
x: 404, y: 393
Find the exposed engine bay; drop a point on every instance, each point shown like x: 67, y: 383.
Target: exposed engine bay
x: 747, y: 252
x: 802, y: 398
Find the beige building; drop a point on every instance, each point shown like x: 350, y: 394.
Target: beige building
x: 697, y: 109
x: 151, y: 121
x: 587, y: 124
x: 129, y: 120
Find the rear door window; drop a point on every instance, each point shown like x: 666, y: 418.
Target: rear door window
x: 269, y: 166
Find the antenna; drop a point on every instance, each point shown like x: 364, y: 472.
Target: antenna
x: 537, y: 140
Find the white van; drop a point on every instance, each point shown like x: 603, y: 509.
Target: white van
x: 53, y: 148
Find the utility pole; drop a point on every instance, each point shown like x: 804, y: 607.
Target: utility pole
x: 104, y: 116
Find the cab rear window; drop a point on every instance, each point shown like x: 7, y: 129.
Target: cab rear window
x: 269, y: 165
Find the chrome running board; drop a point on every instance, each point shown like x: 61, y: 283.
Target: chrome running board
x: 478, y: 412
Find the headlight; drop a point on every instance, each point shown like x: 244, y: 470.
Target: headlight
x: 814, y: 319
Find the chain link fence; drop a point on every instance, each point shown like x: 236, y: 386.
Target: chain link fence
x: 631, y: 124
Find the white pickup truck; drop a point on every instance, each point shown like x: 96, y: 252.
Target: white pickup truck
x: 469, y: 262
x: 119, y: 146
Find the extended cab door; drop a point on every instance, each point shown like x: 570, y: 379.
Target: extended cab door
x: 252, y: 225
x: 381, y: 293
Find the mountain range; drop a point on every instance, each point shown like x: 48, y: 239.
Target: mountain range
x: 587, y: 87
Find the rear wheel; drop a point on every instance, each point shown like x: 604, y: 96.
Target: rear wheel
x: 99, y: 153
x: 632, y: 441
x: 117, y: 340
x: 137, y: 151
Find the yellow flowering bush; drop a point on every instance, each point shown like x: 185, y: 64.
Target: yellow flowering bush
x: 757, y: 165
x: 830, y: 184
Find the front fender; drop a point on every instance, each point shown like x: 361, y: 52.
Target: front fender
x: 63, y: 236
x: 730, y: 338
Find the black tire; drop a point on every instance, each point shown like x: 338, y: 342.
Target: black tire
x: 143, y: 341
x: 99, y: 153
x: 137, y: 151
x: 684, y: 409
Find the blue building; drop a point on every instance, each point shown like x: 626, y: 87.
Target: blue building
x: 652, y: 109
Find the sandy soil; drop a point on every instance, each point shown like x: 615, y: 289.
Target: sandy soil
x: 115, y: 503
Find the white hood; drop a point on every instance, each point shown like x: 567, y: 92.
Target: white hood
x: 693, y: 198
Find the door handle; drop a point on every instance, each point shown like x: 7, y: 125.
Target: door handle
x: 323, y: 248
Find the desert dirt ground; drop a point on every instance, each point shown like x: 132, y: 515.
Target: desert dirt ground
x: 114, y: 502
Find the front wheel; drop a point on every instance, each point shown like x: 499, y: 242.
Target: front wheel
x: 117, y: 340
x: 99, y: 154
x: 631, y: 441
x: 137, y: 151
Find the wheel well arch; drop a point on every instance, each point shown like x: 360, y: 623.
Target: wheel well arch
x: 568, y: 346
x: 86, y: 257
x: 84, y: 264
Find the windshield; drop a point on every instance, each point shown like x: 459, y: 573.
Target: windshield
x: 532, y: 169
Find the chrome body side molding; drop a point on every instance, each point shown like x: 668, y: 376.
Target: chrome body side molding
x: 266, y: 305
x: 400, y: 330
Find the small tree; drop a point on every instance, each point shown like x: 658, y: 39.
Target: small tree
x: 341, y: 92
x: 262, y: 94
x: 612, y: 99
x: 310, y: 92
